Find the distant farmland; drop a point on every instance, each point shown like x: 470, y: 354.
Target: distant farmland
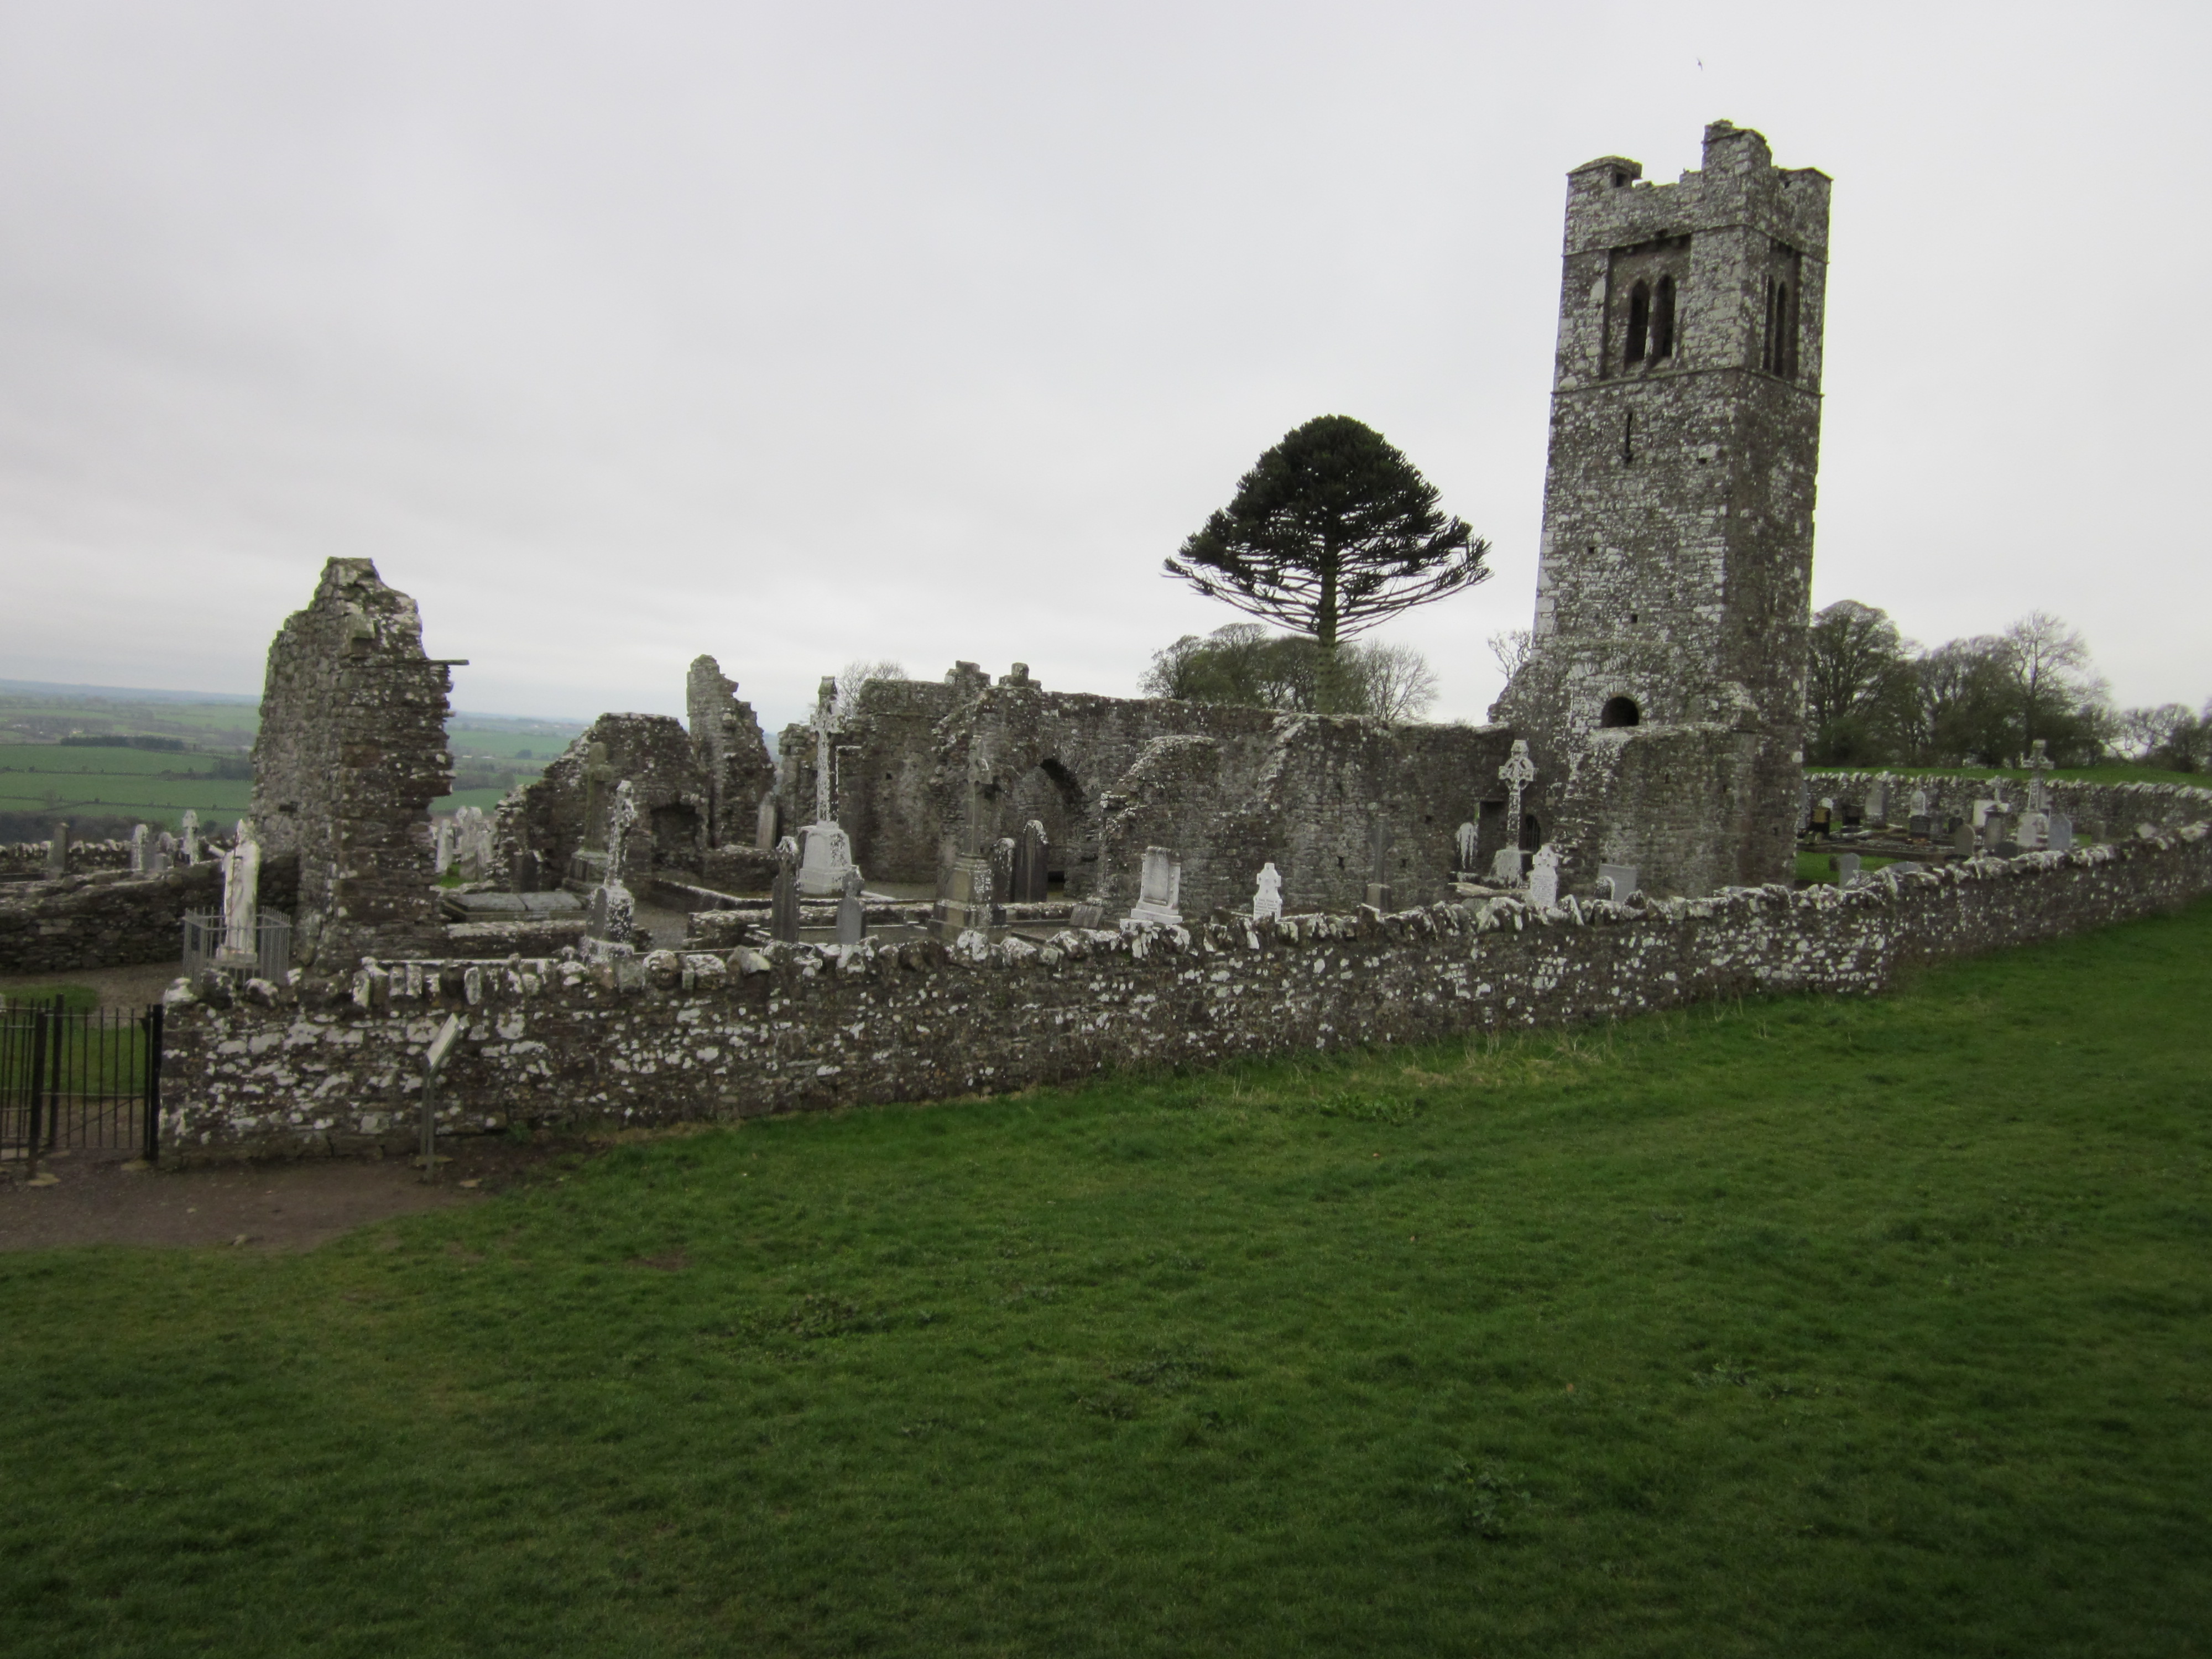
x: 43, y: 779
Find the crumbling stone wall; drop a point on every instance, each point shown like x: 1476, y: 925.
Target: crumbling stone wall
x: 654, y: 755
x: 929, y: 771
x: 1675, y: 581
x: 28, y: 858
x: 113, y: 918
x: 674, y: 1037
x: 733, y: 756
x: 351, y: 753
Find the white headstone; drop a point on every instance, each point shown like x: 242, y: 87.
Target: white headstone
x: 1505, y: 868
x: 828, y: 855
x: 191, y: 825
x: 1159, y: 888
x: 1847, y: 870
x: 1544, y: 879
x: 2034, y: 830
x: 442, y: 857
x: 1920, y: 803
x: 139, y: 837
x: 1267, y: 897
x: 2062, y: 833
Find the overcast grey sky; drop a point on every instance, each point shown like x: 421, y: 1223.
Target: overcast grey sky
x: 617, y: 333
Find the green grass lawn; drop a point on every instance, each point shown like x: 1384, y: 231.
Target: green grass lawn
x: 1800, y: 1328
x: 1820, y: 867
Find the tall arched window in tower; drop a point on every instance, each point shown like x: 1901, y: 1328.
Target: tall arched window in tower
x: 1767, y: 332
x: 1639, y: 322
x: 1662, y: 319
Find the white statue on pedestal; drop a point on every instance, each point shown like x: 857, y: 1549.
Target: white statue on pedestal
x: 1267, y: 898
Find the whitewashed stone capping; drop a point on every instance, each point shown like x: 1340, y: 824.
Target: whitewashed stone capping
x: 671, y: 1037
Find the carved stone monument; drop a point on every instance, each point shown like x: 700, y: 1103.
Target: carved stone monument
x: 1267, y: 897
x: 783, y: 894
x: 241, y: 882
x: 829, y: 852
x: 1544, y: 879
x: 1159, y: 888
x: 852, y: 914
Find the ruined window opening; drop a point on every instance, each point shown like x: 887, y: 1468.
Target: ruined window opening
x: 1532, y: 833
x: 1766, y: 339
x: 1621, y: 711
x: 1639, y: 322
x: 1628, y: 439
x: 1663, y: 320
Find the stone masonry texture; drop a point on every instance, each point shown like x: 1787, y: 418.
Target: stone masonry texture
x: 1675, y: 576
x: 673, y: 1038
x: 351, y: 753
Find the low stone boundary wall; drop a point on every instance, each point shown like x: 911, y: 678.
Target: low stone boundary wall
x: 2117, y: 808
x: 28, y: 858
x: 113, y: 918
x: 671, y: 1037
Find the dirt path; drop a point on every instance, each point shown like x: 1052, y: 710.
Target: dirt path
x: 273, y: 1206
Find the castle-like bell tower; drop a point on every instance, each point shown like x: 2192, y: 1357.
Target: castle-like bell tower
x: 1663, y: 698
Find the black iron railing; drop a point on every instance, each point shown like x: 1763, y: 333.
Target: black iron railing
x: 78, y: 1077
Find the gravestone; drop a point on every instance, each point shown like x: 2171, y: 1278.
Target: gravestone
x: 442, y: 855
x: 1997, y: 828
x: 783, y: 894
x: 140, y: 836
x: 614, y: 910
x: 161, y: 864
x: 1379, y: 893
x: 1518, y: 773
x: 967, y: 903
x: 1877, y: 804
x: 852, y: 915
x: 191, y: 828
x: 829, y: 856
x: 1920, y: 803
x: 1159, y: 888
x: 2038, y: 763
x: 1467, y: 840
x: 166, y: 842
x: 2062, y: 833
x: 1824, y: 817
x: 1616, y: 881
x: 58, y: 851
x: 1505, y: 869
x: 2034, y: 830
x: 1847, y: 870
x: 1978, y: 815
x: 1921, y: 825
x: 1544, y: 879
x: 1002, y: 869
x: 1267, y: 897
x: 764, y: 826
x: 1032, y: 870
x: 613, y: 917
x: 1852, y: 816
x: 1962, y: 838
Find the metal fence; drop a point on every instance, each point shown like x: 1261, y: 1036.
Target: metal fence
x: 78, y: 1077
x: 272, y: 953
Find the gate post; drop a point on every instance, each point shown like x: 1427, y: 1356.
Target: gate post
x: 39, y: 1017
x: 151, y: 1150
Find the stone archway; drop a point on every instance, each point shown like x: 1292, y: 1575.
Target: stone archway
x: 1050, y: 793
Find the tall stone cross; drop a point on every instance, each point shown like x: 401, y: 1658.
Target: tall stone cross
x: 1519, y: 772
x: 2037, y: 764
x: 620, y: 814
x: 824, y: 808
x: 598, y: 776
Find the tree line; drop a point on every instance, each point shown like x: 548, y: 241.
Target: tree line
x: 1874, y: 697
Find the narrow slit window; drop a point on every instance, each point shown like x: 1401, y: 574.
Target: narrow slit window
x: 1639, y: 322
x: 1627, y: 442
x: 1766, y: 333
x: 1782, y: 341
x: 1662, y: 319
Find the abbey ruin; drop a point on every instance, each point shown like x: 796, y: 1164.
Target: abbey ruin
x: 979, y: 882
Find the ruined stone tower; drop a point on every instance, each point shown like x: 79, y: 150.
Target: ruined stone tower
x: 351, y: 754
x: 1663, y: 698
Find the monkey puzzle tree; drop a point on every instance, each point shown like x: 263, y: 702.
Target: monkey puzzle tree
x: 1332, y: 531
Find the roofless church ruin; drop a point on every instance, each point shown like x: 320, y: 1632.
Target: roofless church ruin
x: 977, y: 883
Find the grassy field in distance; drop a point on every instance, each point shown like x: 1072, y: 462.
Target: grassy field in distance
x: 1866, y: 1328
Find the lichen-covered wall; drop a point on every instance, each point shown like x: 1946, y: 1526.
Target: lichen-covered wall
x: 650, y: 752
x: 113, y: 918
x: 733, y: 759
x: 672, y: 1037
x: 1676, y: 568
x: 351, y: 754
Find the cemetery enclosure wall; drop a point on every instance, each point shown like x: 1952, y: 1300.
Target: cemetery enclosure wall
x: 2117, y: 808
x: 28, y: 858
x: 674, y: 1038
x: 116, y: 919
